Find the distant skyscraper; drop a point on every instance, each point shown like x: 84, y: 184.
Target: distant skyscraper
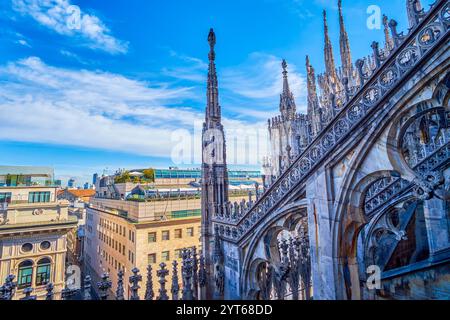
x: 94, y: 178
x: 86, y: 186
x: 71, y: 183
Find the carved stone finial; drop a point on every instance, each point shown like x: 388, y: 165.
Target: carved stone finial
x: 162, y: 273
x: 202, y: 275
x: 175, y: 285
x: 149, y: 293
x: 7, y: 291
x: 134, y: 281
x: 120, y: 290
x: 104, y: 286
x: 87, y: 288
x: 187, y: 275
x: 50, y: 294
x: 194, y: 272
x: 28, y: 291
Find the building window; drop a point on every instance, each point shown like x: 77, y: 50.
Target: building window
x: 179, y: 253
x: 25, y: 274
x: 27, y: 247
x: 43, y: 272
x: 178, y: 233
x: 39, y: 197
x: 45, y: 245
x: 151, y: 237
x: 5, y: 197
x: 166, y: 235
x: 165, y: 256
x: 151, y: 258
x: 190, y: 232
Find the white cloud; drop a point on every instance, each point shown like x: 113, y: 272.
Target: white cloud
x: 40, y: 103
x: 44, y: 104
x: 66, y: 19
x: 23, y: 42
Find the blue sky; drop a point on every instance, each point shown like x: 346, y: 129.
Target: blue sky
x: 110, y: 93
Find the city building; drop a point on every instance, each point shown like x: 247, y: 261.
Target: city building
x: 33, y: 229
x: 71, y: 183
x: 142, y: 226
x: 76, y: 195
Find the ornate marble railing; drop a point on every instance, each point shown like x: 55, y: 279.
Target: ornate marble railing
x: 409, y: 50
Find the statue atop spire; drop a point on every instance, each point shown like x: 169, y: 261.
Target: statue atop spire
x: 346, y: 56
x: 287, y: 102
x: 212, y: 44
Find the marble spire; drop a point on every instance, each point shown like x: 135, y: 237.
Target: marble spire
x: 346, y: 55
x: 328, y: 50
x: 287, y: 102
x: 213, y: 112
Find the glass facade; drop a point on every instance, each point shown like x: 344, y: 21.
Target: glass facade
x: 197, y: 174
x: 186, y: 213
x: 39, y: 197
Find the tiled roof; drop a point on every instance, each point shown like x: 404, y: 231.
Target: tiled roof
x: 81, y: 193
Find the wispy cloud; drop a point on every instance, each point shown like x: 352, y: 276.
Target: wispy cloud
x: 189, y: 68
x: 23, y: 42
x: 41, y: 103
x: 45, y: 104
x: 69, y: 20
x: 259, y: 79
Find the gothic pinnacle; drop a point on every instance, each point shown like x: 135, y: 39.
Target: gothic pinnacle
x: 328, y: 50
x: 346, y: 57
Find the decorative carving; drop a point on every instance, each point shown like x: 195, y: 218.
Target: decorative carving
x: 175, y: 285
x: 374, y: 87
x: 87, y: 288
x: 134, y: 281
x: 149, y: 293
x: 50, y: 294
x: 162, y: 274
x: 120, y: 290
x: 187, y: 275
x: 104, y: 286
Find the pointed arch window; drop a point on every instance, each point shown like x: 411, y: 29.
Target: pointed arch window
x: 25, y: 274
x: 43, y: 272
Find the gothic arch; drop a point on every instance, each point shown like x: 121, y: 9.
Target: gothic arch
x: 348, y: 220
x: 281, y: 220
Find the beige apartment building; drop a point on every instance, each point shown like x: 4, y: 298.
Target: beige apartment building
x: 33, y: 230
x: 123, y: 234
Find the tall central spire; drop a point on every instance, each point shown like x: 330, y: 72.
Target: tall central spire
x: 346, y: 56
x: 287, y: 102
x: 213, y: 112
x: 329, y: 57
